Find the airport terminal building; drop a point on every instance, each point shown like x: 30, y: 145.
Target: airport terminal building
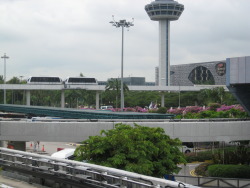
x: 207, y: 73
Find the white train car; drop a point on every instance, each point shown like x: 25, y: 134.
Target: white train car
x: 44, y: 80
x: 81, y: 80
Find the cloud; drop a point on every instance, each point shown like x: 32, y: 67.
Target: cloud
x: 66, y: 37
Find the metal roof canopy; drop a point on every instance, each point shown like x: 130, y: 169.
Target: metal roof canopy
x: 68, y: 113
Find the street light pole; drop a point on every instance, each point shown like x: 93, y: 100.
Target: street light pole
x: 4, y: 91
x: 122, y: 24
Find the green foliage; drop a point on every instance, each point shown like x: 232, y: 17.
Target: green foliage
x: 199, y: 156
x: 215, y: 95
x: 229, y: 171
x: 152, y: 111
x: 201, y: 170
x: 232, y: 113
x: 139, y: 149
x: 233, y: 155
x: 162, y: 110
x: 1, y: 79
x: 113, y: 88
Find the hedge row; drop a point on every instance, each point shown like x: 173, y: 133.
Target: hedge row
x: 229, y: 171
x: 199, y: 156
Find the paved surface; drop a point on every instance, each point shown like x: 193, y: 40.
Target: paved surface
x: 188, y: 169
x: 48, y: 148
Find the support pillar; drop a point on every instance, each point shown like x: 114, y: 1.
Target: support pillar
x: 28, y: 97
x: 162, y: 99
x: 62, y: 99
x: 97, y: 100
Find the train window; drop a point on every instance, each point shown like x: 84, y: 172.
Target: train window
x: 80, y: 80
x: 44, y: 80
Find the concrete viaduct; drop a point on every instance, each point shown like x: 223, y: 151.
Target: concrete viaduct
x: 98, y: 88
x: 56, y: 131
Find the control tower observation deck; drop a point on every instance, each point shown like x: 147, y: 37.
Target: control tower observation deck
x: 164, y: 11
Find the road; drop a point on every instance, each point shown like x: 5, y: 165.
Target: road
x: 47, y: 148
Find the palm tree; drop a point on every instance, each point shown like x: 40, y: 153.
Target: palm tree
x: 115, y: 85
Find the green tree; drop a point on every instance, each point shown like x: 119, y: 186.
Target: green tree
x: 215, y: 95
x: 139, y: 149
x: 14, y: 96
x: 1, y: 79
x: 113, y: 87
x: 45, y: 98
x: 14, y: 80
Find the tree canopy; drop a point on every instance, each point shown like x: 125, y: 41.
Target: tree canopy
x: 113, y: 87
x: 139, y: 149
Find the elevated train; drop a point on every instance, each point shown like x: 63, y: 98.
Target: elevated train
x: 58, y: 80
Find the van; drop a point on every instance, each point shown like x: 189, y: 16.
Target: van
x: 187, y: 147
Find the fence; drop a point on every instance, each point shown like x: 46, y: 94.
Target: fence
x: 214, y: 182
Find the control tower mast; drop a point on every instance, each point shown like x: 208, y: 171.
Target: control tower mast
x: 164, y: 11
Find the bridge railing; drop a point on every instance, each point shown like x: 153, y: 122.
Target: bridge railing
x: 77, y: 173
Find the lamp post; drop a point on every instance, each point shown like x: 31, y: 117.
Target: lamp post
x: 4, y: 91
x: 122, y: 24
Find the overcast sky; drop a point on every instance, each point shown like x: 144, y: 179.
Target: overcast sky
x: 68, y: 37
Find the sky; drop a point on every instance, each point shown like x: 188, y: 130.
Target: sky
x: 68, y: 37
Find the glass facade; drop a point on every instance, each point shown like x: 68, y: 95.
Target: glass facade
x: 164, y: 9
x: 201, y: 75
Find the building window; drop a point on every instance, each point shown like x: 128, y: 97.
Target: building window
x: 201, y: 75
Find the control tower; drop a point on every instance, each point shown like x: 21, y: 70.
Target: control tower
x: 164, y: 11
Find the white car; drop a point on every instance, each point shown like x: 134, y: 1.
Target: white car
x: 106, y: 107
x: 67, y: 153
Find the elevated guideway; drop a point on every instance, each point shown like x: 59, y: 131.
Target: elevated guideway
x: 238, y: 79
x: 29, y: 87
x: 67, y: 113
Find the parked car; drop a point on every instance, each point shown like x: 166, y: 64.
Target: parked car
x: 106, y: 107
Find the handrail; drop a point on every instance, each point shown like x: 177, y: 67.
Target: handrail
x: 79, y: 172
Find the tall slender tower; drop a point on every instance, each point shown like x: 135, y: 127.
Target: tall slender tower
x: 164, y: 11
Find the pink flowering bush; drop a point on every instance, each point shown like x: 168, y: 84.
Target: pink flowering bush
x: 226, y: 108
x: 222, y: 111
x: 193, y: 112
x: 176, y: 111
x: 131, y: 109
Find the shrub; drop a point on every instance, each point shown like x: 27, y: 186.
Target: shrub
x: 162, y: 110
x: 229, y: 171
x: 232, y: 155
x: 152, y: 110
x: 200, y: 156
x: 214, y: 106
x: 201, y: 170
